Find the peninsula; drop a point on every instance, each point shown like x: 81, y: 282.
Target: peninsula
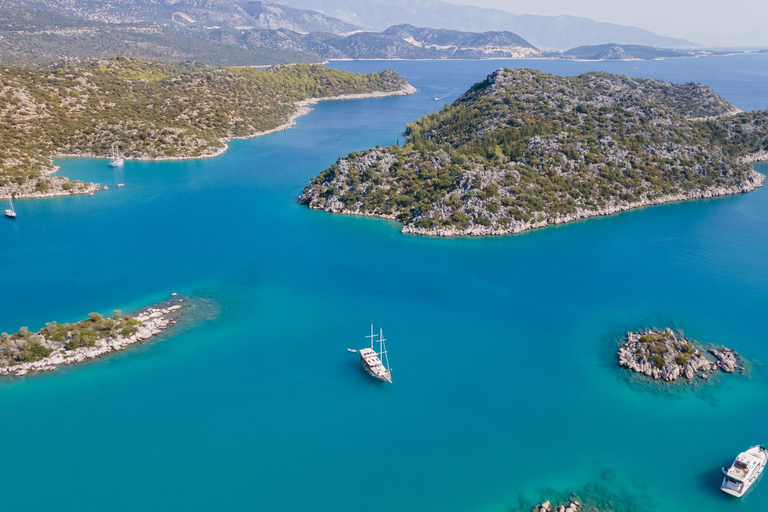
x: 664, y: 356
x: 55, y: 344
x: 525, y: 149
x: 153, y: 111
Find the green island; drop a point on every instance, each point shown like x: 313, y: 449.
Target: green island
x: 153, y: 111
x: 57, y: 344
x: 525, y: 149
x: 662, y: 355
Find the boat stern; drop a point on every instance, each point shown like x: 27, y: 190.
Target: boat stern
x: 732, y: 486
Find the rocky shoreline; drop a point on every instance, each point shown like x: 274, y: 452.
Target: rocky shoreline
x: 146, y: 324
x: 757, y: 181
x: 56, y: 184
x: 663, y: 356
x: 760, y: 156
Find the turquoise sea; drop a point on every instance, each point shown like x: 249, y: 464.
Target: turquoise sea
x: 502, y: 348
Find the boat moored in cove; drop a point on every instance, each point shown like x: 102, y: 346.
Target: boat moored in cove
x: 115, y: 160
x: 744, y: 471
x: 376, y: 363
x: 10, y: 212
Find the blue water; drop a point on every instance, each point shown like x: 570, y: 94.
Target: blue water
x: 502, y: 348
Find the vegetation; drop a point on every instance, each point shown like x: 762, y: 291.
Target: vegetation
x: 524, y: 149
x: 25, y: 346
x: 152, y: 110
x: 655, y: 345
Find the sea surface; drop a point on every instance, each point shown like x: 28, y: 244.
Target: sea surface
x: 503, y: 349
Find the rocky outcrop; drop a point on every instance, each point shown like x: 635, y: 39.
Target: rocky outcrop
x: 147, y: 324
x: 663, y: 356
x: 759, y: 156
x: 572, y: 506
x: 47, y: 186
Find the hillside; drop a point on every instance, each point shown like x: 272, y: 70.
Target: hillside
x: 525, y: 149
x: 152, y: 110
x: 200, y: 14
x: 401, y: 42
x: 42, y: 38
x: 544, y: 32
x: 43, y: 32
x: 465, y: 45
x: 630, y: 52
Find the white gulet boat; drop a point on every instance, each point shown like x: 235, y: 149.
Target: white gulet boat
x: 744, y: 471
x: 115, y: 160
x: 376, y: 363
x: 10, y: 212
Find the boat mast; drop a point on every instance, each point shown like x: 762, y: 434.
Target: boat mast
x: 372, y: 336
x: 383, y: 348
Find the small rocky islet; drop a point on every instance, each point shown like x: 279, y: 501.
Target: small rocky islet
x: 25, y: 352
x: 664, y: 356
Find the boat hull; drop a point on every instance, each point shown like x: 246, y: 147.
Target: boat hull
x: 10, y: 214
x: 383, y: 378
x: 737, y: 481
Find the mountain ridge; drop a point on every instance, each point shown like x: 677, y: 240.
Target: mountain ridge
x: 544, y: 32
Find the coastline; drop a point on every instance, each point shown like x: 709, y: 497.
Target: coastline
x: 519, y: 227
x: 301, y: 108
x: 151, y: 322
x: 757, y: 181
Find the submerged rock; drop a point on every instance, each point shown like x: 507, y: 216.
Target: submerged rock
x: 573, y: 506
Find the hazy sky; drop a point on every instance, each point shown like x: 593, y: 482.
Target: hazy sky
x: 713, y: 22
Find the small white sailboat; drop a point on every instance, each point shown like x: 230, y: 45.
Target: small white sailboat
x: 744, y: 471
x: 10, y: 212
x: 376, y: 363
x: 436, y: 98
x: 115, y: 160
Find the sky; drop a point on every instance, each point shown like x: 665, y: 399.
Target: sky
x: 709, y: 22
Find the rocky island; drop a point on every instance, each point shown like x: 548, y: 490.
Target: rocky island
x: 664, y: 356
x: 153, y: 111
x: 525, y: 149
x: 56, y: 344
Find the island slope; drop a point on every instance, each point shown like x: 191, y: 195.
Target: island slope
x: 153, y: 110
x: 525, y: 149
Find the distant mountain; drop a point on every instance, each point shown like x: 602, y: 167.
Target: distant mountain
x: 630, y: 52
x: 399, y: 42
x: 40, y: 38
x: 200, y: 14
x: 272, y: 16
x: 545, y: 32
x: 466, y: 44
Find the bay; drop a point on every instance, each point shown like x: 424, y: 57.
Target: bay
x: 502, y: 348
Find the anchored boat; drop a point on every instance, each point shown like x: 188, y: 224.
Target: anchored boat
x: 10, y: 212
x: 744, y: 471
x: 376, y: 363
x: 115, y: 160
